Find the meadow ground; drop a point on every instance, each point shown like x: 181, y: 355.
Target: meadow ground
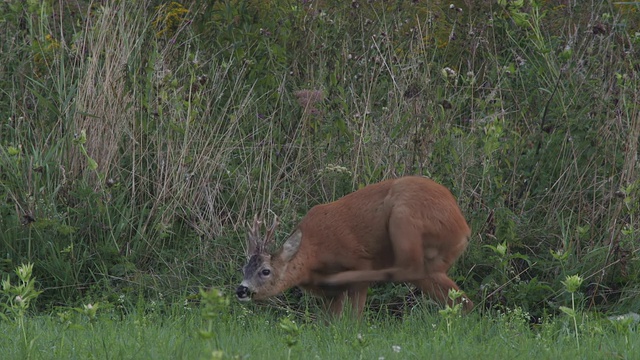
x: 217, y: 329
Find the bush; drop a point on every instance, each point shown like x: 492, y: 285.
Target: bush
x: 138, y: 137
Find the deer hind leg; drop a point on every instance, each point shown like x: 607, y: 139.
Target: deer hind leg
x: 406, y: 241
x: 437, y: 284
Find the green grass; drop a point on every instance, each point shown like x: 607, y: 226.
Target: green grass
x: 420, y: 335
x: 137, y: 138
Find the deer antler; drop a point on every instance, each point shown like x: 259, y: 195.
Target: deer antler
x: 253, y: 237
x: 269, y: 237
x: 255, y: 243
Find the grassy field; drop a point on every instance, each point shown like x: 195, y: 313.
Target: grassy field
x: 212, y: 326
x: 137, y: 138
x: 422, y: 334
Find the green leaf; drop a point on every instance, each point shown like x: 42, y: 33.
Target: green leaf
x: 13, y: 151
x: 568, y: 311
x: 206, y: 334
x: 93, y: 165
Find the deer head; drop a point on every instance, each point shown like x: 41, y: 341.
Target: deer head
x: 263, y: 274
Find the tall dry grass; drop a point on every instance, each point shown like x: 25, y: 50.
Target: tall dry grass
x: 198, y: 124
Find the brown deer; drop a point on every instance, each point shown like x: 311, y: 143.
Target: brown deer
x: 408, y: 229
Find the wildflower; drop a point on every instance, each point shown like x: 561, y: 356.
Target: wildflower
x: 170, y: 18
x: 572, y: 283
x: 448, y: 72
x: 396, y: 348
x: 6, y: 284
x: 309, y: 99
x: 24, y: 272
x: 90, y: 311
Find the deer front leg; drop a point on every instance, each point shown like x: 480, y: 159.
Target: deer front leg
x: 358, y: 296
x: 334, y: 304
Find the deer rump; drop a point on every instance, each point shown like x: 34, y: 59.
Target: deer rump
x: 408, y: 229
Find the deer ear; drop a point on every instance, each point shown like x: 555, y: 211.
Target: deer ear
x: 291, y: 246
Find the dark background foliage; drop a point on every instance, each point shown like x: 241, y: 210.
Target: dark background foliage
x: 137, y: 138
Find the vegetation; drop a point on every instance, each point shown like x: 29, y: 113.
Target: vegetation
x: 138, y: 137
x: 183, y: 331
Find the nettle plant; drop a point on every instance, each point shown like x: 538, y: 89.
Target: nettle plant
x: 16, y: 298
x: 572, y: 285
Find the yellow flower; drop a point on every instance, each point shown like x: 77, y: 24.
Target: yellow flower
x: 169, y: 18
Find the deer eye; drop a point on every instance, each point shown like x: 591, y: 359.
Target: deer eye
x: 265, y: 272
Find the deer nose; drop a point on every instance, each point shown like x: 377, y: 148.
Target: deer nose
x: 242, y: 292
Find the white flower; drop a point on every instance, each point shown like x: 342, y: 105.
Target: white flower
x: 396, y: 348
x: 448, y: 72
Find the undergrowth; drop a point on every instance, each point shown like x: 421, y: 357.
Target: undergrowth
x: 137, y: 138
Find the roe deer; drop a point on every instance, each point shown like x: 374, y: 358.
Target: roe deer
x: 407, y: 229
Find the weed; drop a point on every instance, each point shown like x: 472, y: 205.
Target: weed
x: 451, y: 313
x: 215, y: 306
x: 16, y: 300
x: 360, y: 343
x: 292, y: 334
x: 572, y: 284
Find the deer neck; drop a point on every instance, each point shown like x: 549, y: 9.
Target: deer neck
x: 292, y: 273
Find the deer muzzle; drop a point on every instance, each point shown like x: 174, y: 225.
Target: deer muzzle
x: 243, y: 293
